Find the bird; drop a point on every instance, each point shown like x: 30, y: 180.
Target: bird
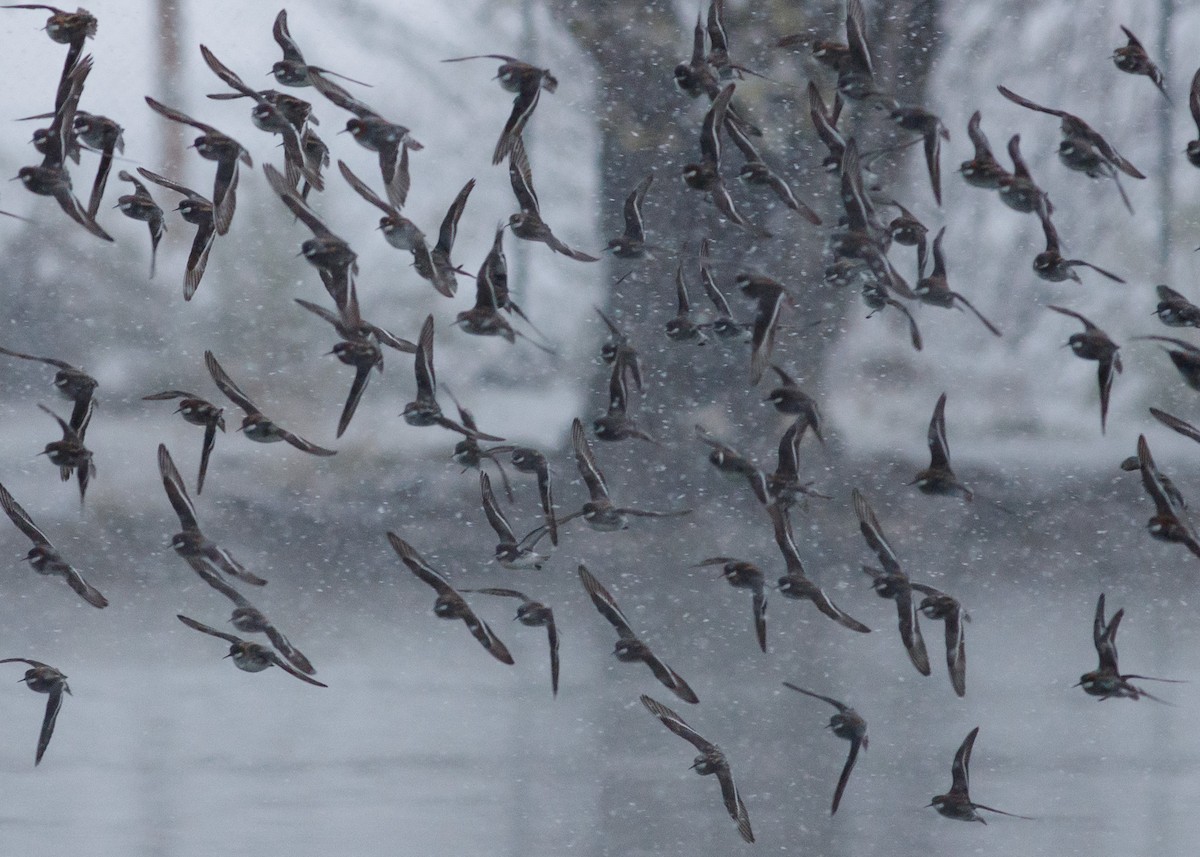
x: 511, y: 553
x: 533, y: 614
x: 710, y: 761
x: 1170, y: 521
x: 44, y: 557
x: 1184, y: 355
x: 103, y: 135
x: 1133, y: 59
x: 69, y: 454
x: 526, y: 459
x: 934, y: 289
x: 741, y: 574
x: 42, y: 678
x: 616, y: 424
x: 599, y: 513
x: 491, y: 296
x: 255, y: 424
x: 268, y: 116
x: 140, y: 205
x: 770, y: 297
x: 470, y: 454
x: 1106, y: 681
x: 71, y: 382
x: 631, y: 244
x: 527, y: 81
x: 796, y: 584
x: 1094, y: 344
x: 619, y: 350
x: 425, y: 410
x: 66, y: 28
x: 938, y: 605
x: 359, y: 347
x: 932, y: 132
x: 938, y: 477
x: 1174, y: 310
x: 198, y: 412
x: 906, y: 230
x: 1079, y: 135
x: 398, y: 230
x: 1050, y: 264
x: 292, y: 70
x: 848, y: 724
x: 436, y: 266
x: 528, y: 223
x: 50, y: 177
x: 825, y: 120
x: 735, y: 465
x: 784, y: 485
x: 250, y: 620
x: 214, y: 146
x: 983, y: 170
x: 371, y: 131
x: 695, y: 77
x: 331, y: 255
x: 789, y: 399
x: 705, y: 176
x: 205, y: 556
x: 957, y: 803
x: 682, y: 328
x: 629, y: 647
x: 892, y: 583
x: 724, y: 326
x: 1193, y: 147
x: 755, y: 172
x: 248, y: 656
x: 1176, y: 424
x: 198, y: 211
x: 449, y: 604
x: 1018, y: 190
x: 856, y: 73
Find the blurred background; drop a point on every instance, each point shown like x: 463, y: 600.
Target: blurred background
x: 423, y: 744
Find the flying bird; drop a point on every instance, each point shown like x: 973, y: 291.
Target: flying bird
x: 848, y: 724
x: 710, y: 761
x: 247, y: 656
x: 629, y: 647
x: 449, y: 604
x: 44, y: 557
x: 1094, y: 344
x: 42, y: 678
x: 255, y: 424
x: 205, y: 556
x: 957, y: 803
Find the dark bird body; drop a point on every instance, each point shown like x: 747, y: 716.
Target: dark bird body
x: 1094, y: 344
x: 938, y: 477
x: 247, y: 656
x: 449, y: 604
x: 892, y: 583
x: 198, y: 211
x: 711, y: 761
x: 42, y: 678
x: 255, y: 424
x: 630, y: 648
x: 533, y: 614
x: 599, y: 512
x: 44, y: 557
x: 202, y: 554
x: 848, y: 724
x: 957, y: 803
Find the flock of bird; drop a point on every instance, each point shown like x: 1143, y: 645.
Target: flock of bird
x: 858, y: 249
